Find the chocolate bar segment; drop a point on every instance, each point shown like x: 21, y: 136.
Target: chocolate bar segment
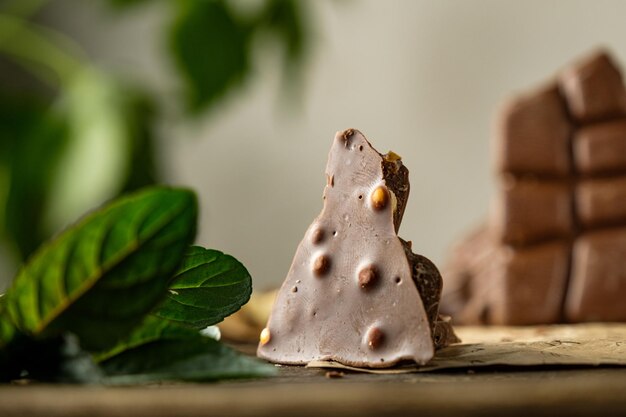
x: 529, y: 284
x: 600, y: 149
x: 528, y: 211
x: 533, y: 134
x: 466, y: 290
x: 555, y: 245
x: 500, y: 284
x: 363, y: 298
x: 594, y: 89
x: 598, y: 284
x: 601, y: 202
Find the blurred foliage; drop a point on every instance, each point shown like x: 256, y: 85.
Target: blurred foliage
x: 206, y: 39
x: 73, y: 136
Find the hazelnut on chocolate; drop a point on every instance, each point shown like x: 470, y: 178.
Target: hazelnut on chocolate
x: 265, y: 336
x: 368, y: 276
x: 375, y: 338
x: 380, y: 197
x: 321, y: 265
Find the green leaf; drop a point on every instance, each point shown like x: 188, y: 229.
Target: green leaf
x: 139, y: 109
x: 210, y: 47
x: 107, y: 122
x: 209, y: 286
x: 162, y: 350
x: 32, y: 139
x: 286, y: 19
x: 100, y: 277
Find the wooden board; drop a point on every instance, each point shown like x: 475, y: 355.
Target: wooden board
x: 305, y: 392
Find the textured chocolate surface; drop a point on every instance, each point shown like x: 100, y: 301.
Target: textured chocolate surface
x: 355, y: 293
x: 554, y: 248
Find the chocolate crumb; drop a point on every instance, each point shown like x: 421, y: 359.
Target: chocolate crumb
x: 348, y: 133
x: 334, y: 374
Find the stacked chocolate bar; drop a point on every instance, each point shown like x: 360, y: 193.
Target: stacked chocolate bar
x: 554, y: 247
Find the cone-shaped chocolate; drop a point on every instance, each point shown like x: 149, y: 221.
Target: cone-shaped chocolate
x: 355, y: 292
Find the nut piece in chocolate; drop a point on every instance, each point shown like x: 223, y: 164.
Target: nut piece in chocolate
x: 363, y: 298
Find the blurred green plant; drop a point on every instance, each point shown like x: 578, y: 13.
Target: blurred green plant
x: 72, y: 135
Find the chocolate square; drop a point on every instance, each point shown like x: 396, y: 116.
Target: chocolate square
x: 529, y: 284
x: 601, y: 202
x: 528, y: 211
x: 598, y: 282
x: 594, y: 89
x: 600, y: 149
x: 532, y: 134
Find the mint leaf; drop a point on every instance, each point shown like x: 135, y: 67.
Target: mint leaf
x: 210, y: 48
x: 108, y: 142
x: 162, y: 350
x: 33, y: 138
x: 287, y: 19
x: 208, y: 287
x: 100, y: 277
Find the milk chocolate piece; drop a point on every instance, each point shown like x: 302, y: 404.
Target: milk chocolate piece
x: 533, y: 134
x: 600, y: 149
x: 555, y: 244
x: 528, y: 211
x: 601, y: 202
x: 500, y: 284
x: 377, y: 302
x: 594, y: 89
x: 468, y: 294
x: 598, y: 284
x: 529, y: 284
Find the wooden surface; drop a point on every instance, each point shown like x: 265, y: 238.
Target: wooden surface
x: 308, y: 392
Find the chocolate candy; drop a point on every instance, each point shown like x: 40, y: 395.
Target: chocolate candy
x: 533, y: 134
x: 598, y: 284
x: 593, y: 89
x: 600, y: 149
x: 601, y: 202
x: 363, y: 298
x: 529, y: 210
x: 553, y: 249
